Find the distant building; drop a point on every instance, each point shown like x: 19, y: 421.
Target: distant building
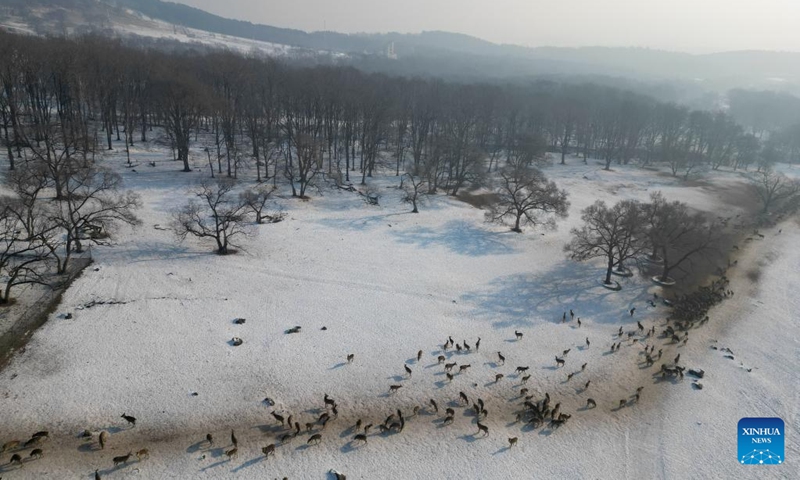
x: 390, y: 53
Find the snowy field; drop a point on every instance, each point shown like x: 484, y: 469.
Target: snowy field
x: 386, y: 284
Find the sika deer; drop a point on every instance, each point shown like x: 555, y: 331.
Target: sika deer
x: 122, y: 459
x: 329, y: 402
x: 279, y: 418
x: 268, y: 450
x: 8, y: 446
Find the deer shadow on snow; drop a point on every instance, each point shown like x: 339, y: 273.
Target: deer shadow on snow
x: 524, y: 300
x: 249, y: 463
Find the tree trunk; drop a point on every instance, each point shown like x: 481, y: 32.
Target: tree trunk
x: 516, y: 224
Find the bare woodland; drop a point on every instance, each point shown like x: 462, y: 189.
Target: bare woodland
x: 63, y: 101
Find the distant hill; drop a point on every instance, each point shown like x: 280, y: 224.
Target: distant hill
x: 433, y: 52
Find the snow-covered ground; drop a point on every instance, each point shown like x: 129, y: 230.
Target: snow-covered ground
x: 385, y: 284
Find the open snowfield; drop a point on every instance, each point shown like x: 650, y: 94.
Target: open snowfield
x: 386, y: 283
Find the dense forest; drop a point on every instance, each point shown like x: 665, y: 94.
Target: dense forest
x: 64, y: 94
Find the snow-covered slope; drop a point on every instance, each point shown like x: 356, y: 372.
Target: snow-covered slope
x: 385, y: 284
x: 128, y: 23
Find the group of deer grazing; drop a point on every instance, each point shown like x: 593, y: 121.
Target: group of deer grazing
x: 16, y: 446
x: 39, y: 437
x: 534, y: 411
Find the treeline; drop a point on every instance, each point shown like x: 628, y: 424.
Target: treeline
x: 62, y: 97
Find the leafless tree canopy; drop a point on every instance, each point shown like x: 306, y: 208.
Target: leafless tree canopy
x: 775, y: 190
x: 527, y: 196
x: 216, y: 213
x: 614, y: 233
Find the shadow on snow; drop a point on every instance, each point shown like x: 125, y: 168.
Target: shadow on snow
x: 523, y: 300
x: 460, y: 237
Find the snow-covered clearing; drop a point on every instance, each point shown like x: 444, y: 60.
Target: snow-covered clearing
x: 385, y: 284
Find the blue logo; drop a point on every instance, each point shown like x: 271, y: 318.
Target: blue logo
x: 761, y: 441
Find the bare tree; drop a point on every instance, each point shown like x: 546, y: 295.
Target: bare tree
x: 216, y: 215
x: 527, y: 196
x: 23, y: 254
x: 306, y: 165
x: 28, y: 182
x: 678, y: 235
x: 612, y: 233
x: 256, y: 200
x: 775, y: 189
x: 415, y: 187
x: 182, y: 101
x: 93, y: 207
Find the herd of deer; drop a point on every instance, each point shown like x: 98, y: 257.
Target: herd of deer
x: 533, y: 413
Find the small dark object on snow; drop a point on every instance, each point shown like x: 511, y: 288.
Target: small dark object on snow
x: 729, y: 357
x: 236, y: 341
x: 131, y: 420
x: 324, y: 328
x: 698, y: 385
x: 293, y: 330
x: 194, y: 394
x: 239, y: 321
x: 699, y: 373
x: 67, y: 316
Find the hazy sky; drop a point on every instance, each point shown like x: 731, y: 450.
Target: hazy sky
x: 696, y: 26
